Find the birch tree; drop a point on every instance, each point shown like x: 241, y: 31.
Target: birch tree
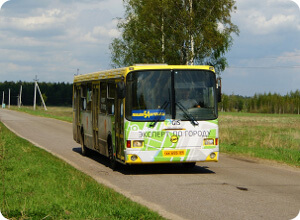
x: 175, y: 32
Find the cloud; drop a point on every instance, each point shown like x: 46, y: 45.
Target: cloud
x: 101, y: 34
x: 290, y: 58
x: 261, y: 25
x: 265, y: 56
x: 52, y: 38
x: 267, y: 17
x: 41, y: 20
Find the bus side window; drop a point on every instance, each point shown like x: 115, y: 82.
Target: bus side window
x: 103, y: 95
x: 111, y: 98
x: 83, y: 97
x: 89, y: 97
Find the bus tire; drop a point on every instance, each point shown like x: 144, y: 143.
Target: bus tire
x: 84, y: 149
x: 111, y: 157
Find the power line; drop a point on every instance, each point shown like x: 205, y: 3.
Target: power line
x: 267, y: 57
x: 263, y: 67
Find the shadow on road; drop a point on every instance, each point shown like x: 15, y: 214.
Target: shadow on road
x: 146, y: 169
x: 155, y: 169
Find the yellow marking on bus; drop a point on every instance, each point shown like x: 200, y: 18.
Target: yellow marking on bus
x: 174, y: 153
x: 122, y: 72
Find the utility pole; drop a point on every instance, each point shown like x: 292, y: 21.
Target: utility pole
x: 3, y: 105
x: 8, y: 98
x: 36, y: 86
x: 41, y: 97
x: 20, y: 98
x: 34, y: 96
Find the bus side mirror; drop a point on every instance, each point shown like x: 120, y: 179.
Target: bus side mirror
x: 219, y: 89
x: 121, y: 90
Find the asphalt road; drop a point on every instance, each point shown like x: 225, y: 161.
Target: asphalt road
x: 233, y: 188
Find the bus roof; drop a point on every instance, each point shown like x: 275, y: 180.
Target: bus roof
x: 118, y: 73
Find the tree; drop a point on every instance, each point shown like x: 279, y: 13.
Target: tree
x: 175, y: 32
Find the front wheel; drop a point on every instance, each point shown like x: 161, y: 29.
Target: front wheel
x: 111, y: 157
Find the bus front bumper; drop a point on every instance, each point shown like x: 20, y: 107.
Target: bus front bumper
x: 171, y: 156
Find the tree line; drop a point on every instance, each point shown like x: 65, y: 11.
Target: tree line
x: 54, y: 94
x: 60, y: 94
x: 262, y: 103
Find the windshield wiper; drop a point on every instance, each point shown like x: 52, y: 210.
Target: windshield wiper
x: 163, y: 107
x: 187, y: 114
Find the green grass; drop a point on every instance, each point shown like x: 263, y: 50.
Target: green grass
x: 36, y: 185
x: 61, y: 113
x: 266, y: 136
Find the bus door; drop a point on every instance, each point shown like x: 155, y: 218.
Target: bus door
x: 119, y: 128
x: 77, y: 103
x: 95, y: 113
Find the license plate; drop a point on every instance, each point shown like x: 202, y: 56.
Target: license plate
x: 174, y: 153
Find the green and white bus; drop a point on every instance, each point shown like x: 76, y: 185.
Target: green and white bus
x: 146, y: 114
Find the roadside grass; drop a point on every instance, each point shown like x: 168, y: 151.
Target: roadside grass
x: 266, y: 136
x: 61, y: 113
x: 36, y: 185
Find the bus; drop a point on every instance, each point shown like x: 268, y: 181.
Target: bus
x: 148, y: 114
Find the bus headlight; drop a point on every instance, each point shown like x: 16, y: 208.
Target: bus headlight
x: 209, y: 141
x: 134, y: 158
x: 212, y: 155
x: 137, y: 143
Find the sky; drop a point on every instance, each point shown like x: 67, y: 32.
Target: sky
x: 55, y: 39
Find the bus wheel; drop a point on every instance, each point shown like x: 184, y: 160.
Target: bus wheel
x: 84, y: 149
x: 112, y: 159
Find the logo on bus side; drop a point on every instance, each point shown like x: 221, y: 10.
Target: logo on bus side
x: 168, y: 122
x: 152, y: 114
x: 174, y: 139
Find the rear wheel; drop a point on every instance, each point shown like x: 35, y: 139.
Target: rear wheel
x: 84, y: 149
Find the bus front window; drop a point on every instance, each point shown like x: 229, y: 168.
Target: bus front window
x: 149, y: 95
x: 195, y: 94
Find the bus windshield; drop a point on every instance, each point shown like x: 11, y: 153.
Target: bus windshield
x: 150, y: 95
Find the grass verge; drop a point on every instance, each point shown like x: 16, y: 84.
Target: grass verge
x: 61, y: 113
x: 266, y: 136
x: 36, y: 185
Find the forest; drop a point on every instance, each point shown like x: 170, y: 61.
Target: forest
x: 54, y: 94
x: 60, y: 94
x: 262, y: 103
